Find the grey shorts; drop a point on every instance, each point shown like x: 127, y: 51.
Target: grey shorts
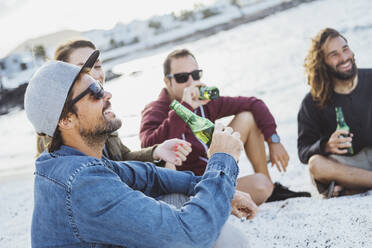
x: 362, y: 160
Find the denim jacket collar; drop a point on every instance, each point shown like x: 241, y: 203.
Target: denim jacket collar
x: 67, y: 150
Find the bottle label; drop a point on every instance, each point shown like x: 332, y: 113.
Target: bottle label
x: 205, y: 135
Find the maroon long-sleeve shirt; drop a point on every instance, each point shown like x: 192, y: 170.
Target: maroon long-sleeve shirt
x: 160, y: 123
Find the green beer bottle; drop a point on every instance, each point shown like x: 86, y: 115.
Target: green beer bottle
x: 208, y: 93
x: 341, y: 125
x: 201, y: 127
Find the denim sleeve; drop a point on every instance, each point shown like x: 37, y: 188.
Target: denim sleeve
x: 155, y: 181
x: 105, y: 210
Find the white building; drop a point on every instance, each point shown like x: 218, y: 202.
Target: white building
x: 166, y: 23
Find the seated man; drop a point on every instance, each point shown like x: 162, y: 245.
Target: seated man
x: 334, y: 82
x: 83, y: 199
x: 252, y: 120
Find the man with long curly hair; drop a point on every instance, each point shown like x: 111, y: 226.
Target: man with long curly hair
x: 335, y: 81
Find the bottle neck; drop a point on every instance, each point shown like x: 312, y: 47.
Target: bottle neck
x: 341, y: 124
x: 182, y: 111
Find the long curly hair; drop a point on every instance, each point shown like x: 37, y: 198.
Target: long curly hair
x: 318, y: 75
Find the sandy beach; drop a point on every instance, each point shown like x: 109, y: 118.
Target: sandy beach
x: 299, y: 222
x: 16, y: 204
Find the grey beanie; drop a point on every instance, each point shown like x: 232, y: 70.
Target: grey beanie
x: 47, y: 91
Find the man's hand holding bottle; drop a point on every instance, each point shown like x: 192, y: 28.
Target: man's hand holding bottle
x: 339, y: 142
x: 225, y: 140
x: 191, y: 95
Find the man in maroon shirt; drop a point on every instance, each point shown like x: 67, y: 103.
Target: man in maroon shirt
x: 252, y: 119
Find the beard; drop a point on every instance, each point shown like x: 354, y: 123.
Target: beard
x: 343, y: 76
x: 100, y: 132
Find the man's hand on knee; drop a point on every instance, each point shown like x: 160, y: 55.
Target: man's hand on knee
x: 278, y: 156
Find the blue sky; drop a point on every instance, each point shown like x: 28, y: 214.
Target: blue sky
x: 24, y: 19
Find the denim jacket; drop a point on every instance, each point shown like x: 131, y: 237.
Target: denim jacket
x: 81, y: 201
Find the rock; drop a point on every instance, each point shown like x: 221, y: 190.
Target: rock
x: 12, y: 98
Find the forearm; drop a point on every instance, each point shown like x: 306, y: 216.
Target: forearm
x: 234, y: 105
x: 160, y: 181
x: 155, y: 181
x: 264, y: 119
x: 144, y: 155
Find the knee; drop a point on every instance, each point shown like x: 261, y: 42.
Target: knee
x: 246, y: 117
x: 315, y: 165
x: 245, y: 124
x: 263, y: 186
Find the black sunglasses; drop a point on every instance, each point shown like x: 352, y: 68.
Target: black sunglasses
x: 184, y: 76
x: 95, y: 89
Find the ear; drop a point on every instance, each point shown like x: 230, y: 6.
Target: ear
x: 68, y: 122
x: 167, y: 82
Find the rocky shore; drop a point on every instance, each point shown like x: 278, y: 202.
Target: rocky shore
x: 12, y: 99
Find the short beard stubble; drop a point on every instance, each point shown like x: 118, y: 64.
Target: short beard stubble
x: 99, y: 134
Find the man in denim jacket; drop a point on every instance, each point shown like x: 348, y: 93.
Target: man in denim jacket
x: 83, y: 199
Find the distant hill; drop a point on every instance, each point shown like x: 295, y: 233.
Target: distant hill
x: 48, y: 41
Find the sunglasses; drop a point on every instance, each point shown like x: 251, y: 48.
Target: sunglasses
x: 95, y: 89
x: 184, y: 76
